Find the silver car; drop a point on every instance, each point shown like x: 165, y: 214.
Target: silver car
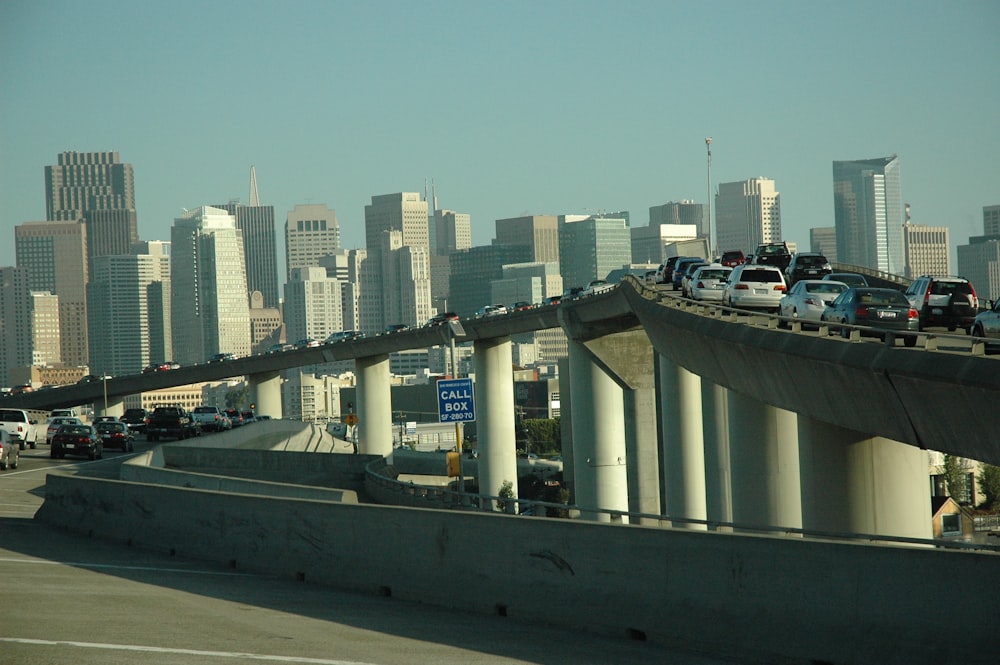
x: 708, y: 282
x: 987, y: 324
x: 807, y: 299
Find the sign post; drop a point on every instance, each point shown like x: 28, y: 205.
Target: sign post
x: 456, y: 404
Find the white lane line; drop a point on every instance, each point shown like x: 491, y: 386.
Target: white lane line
x: 184, y: 652
x: 111, y: 566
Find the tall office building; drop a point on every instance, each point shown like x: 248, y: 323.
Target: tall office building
x: 312, y: 306
x: 539, y: 233
x: 311, y: 232
x: 45, y: 329
x: 453, y: 231
x: 473, y: 269
x: 128, y: 306
x: 97, y: 189
x: 209, y: 305
x: 991, y: 220
x: 260, y: 253
x: 868, y: 213
x: 346, y: 265
x: 55, y: 257
x: 15, y: 323
x: 681, y: 212
x: 266, y: 326
x: 927, y: 250
x: 590, y: 247
x: 747, y: 214
x: 394, y: 222
x: 823, y: 240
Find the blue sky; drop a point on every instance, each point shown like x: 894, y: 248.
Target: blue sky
x: 543, y: 107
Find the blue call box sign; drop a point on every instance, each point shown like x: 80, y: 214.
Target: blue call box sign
x: 456, y: 403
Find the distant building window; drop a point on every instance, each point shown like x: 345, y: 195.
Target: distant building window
x: 951, y: 524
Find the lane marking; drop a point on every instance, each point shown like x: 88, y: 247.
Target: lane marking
x: 184, y: 652
x: 111, y: 566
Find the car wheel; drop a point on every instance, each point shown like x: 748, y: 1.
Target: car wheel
x: 844, y: 331
x: 3, y: 465
x: 910, y: 340
x: 92, y: 454
x: 20, y: 444
x: 17, y: 459
x: 52, y: 454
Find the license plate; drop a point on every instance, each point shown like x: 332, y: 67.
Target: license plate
x: 760, y: 292
x: 886, y: 315
x: 937, y: 310
x: 811, y: 272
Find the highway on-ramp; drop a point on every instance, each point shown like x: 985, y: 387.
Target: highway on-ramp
x: 67, y: 598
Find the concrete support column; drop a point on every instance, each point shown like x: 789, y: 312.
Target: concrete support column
x: 112, y: 406
x: 598, y: 438
x: 764, y: 454
x: 374, y: 405
x: 718, y: 483
x: 642, y: 457
x: 882, y: 484
x: 265, y: 392
x: 683, y: 443
x: 495, y: 416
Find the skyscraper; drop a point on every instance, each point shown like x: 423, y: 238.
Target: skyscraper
x: 55, y: 257
x: 453, y: 231
x: 473, y: 269
x: 927, y: 250
x: 539, y: 233
x: 991, y: 220
x: 209, y: 305
x: 312, y: 306
x: 747, y: 214
x: 45, y: 348
x: 590, y: 247
x: 97, y: 189
x: 868, y: 213
x: 128, y: 307
x: 681, y: 212
x: 259, y: 248
x: 394, y: 222
x: 15, y: 323
x: 311, y: 232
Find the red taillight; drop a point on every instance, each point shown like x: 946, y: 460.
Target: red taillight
x: 914, y: 314
x: 975, y: 298
x: 83, y: 439
x: 742, y: 287
x: 861, y: 311
x: 927, y: 293
x: 701, y: 285
x: 779, y: 287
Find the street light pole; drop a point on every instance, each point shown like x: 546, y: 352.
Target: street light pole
x: 711, y: 249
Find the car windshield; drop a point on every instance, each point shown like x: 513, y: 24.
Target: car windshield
x: 886, y: 297
x: 757, y: 275
x: 12, y: 416
x: 825, y: 287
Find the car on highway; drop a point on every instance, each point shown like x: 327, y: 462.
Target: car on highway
x: 950, y: 302
x: 115, y: 434
x: 754, y: 286
x: 686, y: 277
x: 491, y: 310
x: 135, y: 418
x: 773, y: 254
x: 807, y: 265
x: 235, y: 417
x: 55, y: 423
x: 733, y: 257
x: 596, y: 286
x: 880, y: 310
x: 20, y: 426
x: 708, y: 282
x: 222, y: 357
x: 10, y: 451
x: 342, y: 336
x: 849, y: 278
x: 91, y: 378
x: 808, y: 299
x: 987, y: 324
x: 442, y: 318
x: 77, y: 440
x: 279, y: 348
x: 211, y: 418
x: 396, y: 327
x: 307, y: 343
x: 665, y: 271
x: 680, y: 268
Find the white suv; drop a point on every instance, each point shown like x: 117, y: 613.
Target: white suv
x: 944, y: 301
x: 754, y: 286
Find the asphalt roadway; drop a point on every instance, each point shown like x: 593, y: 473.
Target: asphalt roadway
x: 73, y: 599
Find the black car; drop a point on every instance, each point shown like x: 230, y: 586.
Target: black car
x: 77, y: 440
x: 115, y: 435
x: 773, y: 254
x: 135, y: 419
x: 807, y: 265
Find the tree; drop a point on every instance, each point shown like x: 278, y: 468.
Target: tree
x: 989, y: 484
x: 544, y: 435
x: 955, y: 478
x: 238, y: 397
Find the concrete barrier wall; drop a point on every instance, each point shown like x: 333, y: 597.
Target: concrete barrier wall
x: 749, y: 596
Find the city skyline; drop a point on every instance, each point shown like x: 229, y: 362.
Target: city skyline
x: 545, y: 108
